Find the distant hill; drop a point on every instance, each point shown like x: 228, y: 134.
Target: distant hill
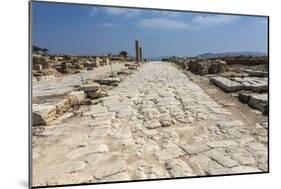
x: 245, y: 53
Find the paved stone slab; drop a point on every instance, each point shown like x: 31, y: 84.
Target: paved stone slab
x: 255, y: 84
x: 195, y: 148
x: 222, y: 159
x: 226, y: 84
x: 178, y: 168
x: 169, y: 153
x: 110, y: 168
x: 222, y: 144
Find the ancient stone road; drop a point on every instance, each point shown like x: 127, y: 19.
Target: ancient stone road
x: 156, y: 124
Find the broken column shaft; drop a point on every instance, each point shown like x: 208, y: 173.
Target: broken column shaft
x: 137, y: 51
x: 141, y: 59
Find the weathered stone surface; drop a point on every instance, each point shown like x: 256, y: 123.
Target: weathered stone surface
x: 152, y: 124
x: 93, y: 87
x: 220, y: 158
x: 222, y: 144
x: 244, y: 159
x: 166, y: 121
x: 226, y: 85
x: 259, y: 101
x: 201, y: 165
x: 255, y: 84
x: 169, y: 153
x: 122, y: 133
x: 227, y: 124
x: 178, y: 168
x: 94, y: 94
x: 72, y: 166
x: 195, y: 148
x: 245, y: 169
x: 100, y: 132
x: 110, y: 168
x: 43, y: 114
x: 76, y: 153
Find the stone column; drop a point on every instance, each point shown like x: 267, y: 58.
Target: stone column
x: 137, y: 51
x: 141, y: 59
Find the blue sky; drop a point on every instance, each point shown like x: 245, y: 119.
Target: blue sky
x: 80, y: 29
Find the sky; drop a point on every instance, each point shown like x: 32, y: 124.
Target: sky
x: 94, y: 30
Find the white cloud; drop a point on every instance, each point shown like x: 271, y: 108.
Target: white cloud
x: 106, y: 24
x: 162, y: 23
x: 122, y: 11
x: 210, y: 20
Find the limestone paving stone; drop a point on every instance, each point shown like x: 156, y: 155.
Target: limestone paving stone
x: 110, y: 168
x: 178, y: 168
x: 222, y: 144
x: 222, y: 159
x: 226, y: 84
x: 195, y: 148
x: 169, y: 153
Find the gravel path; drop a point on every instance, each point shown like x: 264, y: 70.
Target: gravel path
x: 156, y: 124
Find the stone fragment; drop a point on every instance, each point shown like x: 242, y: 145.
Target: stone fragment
x: 43, y: 114
x: 94, y: 94
x: 92, y: 87
x: 37, y: 67
x: 259, y: 102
